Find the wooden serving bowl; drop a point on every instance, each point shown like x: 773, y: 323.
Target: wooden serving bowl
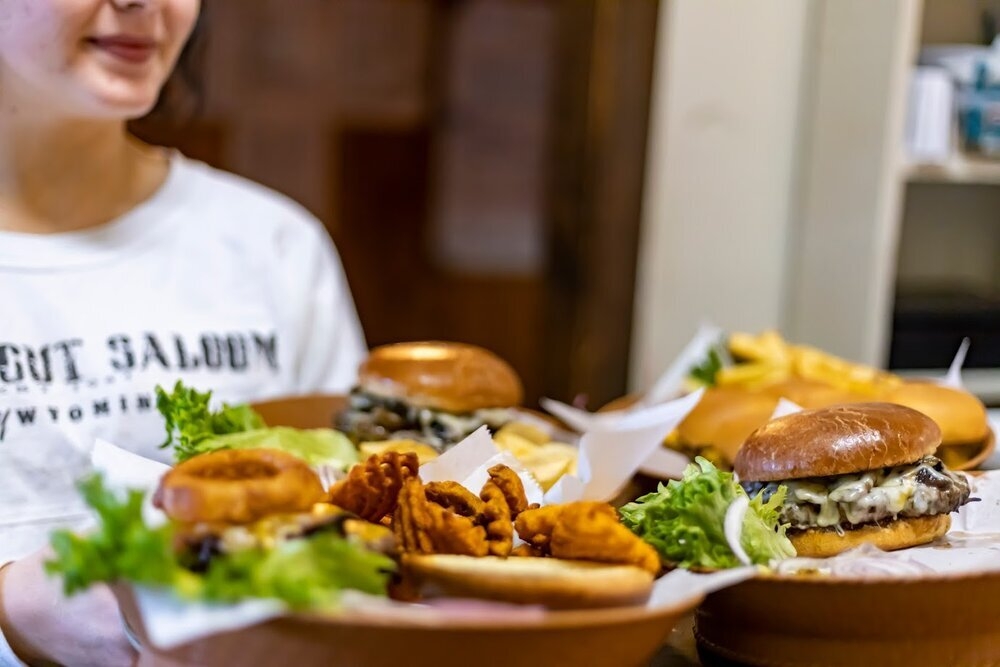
x: 818, y: 622
x: 314, y: 411
x: 624, y: 637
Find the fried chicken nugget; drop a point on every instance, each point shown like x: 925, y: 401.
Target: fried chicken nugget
x: 371, y: 490
x: 525, y: 551
x: 425, y: 527
x: 586, y: 531
x: 535, y: 526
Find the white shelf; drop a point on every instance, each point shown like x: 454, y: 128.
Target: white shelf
x: 983, y: 382
x: 961, y: 168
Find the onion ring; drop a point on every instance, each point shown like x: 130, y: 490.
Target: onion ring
x: 238, y: 486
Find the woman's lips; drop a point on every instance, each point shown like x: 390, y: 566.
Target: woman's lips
x: 135, y: 50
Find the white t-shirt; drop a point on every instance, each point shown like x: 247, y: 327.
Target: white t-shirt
x: 214, y: 280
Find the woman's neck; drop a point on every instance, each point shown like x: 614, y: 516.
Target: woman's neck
x: 61, y: 176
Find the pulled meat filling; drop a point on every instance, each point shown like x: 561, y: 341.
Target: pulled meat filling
x: 371, y: 418
x: 924, y: 488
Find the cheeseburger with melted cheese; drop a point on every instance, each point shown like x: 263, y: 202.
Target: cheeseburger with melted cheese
x: 857, y: 473
x: 434, y: 393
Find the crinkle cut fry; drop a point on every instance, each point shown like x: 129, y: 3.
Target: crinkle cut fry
x: 371, y: 490
x: 427, y: 528
x: 455, y: 497
x: 406, y: 523
x: 497, y: 520
x: 512, y: 488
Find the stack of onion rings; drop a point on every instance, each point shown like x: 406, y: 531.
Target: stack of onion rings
x: 238, y: 486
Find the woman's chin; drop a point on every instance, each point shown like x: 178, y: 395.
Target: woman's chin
x: 123, y: 106
x: 112, y: 97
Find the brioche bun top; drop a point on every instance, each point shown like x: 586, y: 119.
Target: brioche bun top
x: 961, y: 416
x: 838, y: 440
x: 811, y: 394
x: 724, y: 417
x: 452, y: 377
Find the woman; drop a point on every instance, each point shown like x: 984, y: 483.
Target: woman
x: 123, y: 266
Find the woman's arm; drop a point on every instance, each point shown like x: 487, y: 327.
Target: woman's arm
x: 42, y: 626
x: 11, y: 649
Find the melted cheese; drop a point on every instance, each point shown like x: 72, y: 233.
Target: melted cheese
x: 917, y: 489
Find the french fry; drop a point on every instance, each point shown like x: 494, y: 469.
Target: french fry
x: 546, y: 460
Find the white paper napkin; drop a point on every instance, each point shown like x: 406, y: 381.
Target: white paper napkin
x: 614, y: 446
x: 671, y: 381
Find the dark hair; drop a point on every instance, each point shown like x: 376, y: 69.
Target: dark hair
x: 183, y: 94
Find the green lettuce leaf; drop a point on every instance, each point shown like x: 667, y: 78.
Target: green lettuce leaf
x: 306, y: 573
x: 193, y: 428
x: 315, y: 446
x: 684, y: 521
x: 703, y: 375
x: 122, y: 546
x: 189, y: 420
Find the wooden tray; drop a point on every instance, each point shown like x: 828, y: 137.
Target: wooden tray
x: 624, y: 637
x: 315, y: 411
x: 813, y: 622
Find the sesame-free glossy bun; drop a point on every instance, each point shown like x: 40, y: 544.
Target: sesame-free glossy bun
x: 555, y: 583
x: 960, y: 415
x: 453, y: 377
x: 810, y: 394
x: 838, y: 440
x: 724, y: 417
x: 898, y: 534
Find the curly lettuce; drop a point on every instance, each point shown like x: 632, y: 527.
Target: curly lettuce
x: 122, y: 546
x: 194, y: 428
x: 684, y: 521
x: 308, y: 573
x: 190, y: 421
x: 703, y: 375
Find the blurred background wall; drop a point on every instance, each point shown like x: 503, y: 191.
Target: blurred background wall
x: 722, y: 172
x: 577, y: 184
x: 477, y: 162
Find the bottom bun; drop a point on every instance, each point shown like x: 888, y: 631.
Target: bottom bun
x: 897, y: 534
x: 555, y: 583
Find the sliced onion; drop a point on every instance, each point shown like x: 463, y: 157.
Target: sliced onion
x: 733, y: 527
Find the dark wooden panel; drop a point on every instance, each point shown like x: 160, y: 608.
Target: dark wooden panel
x: 605, y: 54
x: 400, y: 293
x: 382, y: 186
x: 198, y: 139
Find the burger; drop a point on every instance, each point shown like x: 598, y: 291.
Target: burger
x: 810, y: 394
x: 960, y: 416
x: 241, y: 524
x: 858, y: 473
x: 724, y: 417
x: 230, y: 503
x: 432, y: 393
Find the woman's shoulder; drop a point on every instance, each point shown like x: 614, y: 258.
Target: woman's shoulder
x: 228, y: 202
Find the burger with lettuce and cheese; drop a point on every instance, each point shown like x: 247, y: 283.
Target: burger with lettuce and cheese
x: 854, y: 474
x: 430, y: 393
